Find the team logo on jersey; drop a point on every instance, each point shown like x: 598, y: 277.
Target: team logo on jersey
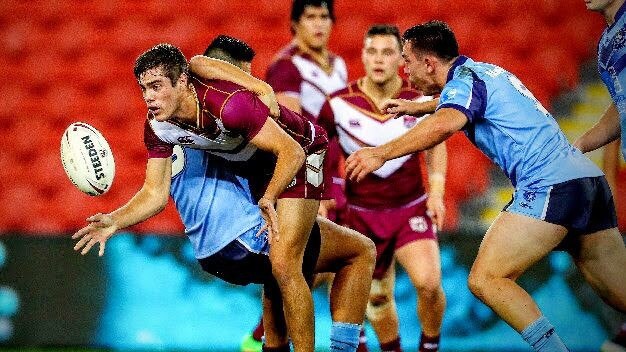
x: 418, y: 224
x: 409, y: 121
x: 185, y: 140
x: 355, y: 123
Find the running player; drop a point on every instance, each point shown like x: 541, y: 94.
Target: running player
x: 207, y: 194
x: 390, y: 206
x: 611, y: 64
x: 561, y: 198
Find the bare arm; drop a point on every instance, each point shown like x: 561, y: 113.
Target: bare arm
x: 210, y: 68
x: 147, y: 202
x: 289, y: 101
x: 433, y: 130
x: 436, y: 164
x: 399, y: 107
x: 290, y: 158
x: 603, y: 132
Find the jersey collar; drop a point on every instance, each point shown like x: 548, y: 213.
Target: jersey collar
x: 457, y: 62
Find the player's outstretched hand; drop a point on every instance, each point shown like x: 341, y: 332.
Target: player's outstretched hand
x: 436, y: 209
x: 101, y: 227
x: 268, y: 212
x: 399, y: 107
x: 363, y: 162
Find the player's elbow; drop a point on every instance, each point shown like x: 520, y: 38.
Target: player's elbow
x: 298, y: 156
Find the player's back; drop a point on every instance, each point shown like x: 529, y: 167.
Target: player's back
x: 214, y: 204
x: 511, y: 127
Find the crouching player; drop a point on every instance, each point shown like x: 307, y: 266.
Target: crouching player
x: 226, y: 228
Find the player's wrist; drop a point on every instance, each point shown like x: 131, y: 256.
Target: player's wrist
x: 436, y: 182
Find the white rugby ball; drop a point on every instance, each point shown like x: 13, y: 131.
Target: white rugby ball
x: 87, y: 159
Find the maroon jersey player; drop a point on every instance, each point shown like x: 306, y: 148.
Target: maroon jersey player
x: 391, y: 205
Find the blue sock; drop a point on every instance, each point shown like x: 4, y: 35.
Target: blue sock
x: 344, y: 337
x: 541, y: 336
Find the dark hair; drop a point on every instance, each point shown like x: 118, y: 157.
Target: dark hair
x: 385, y: 29
x: 164, y: 55
x: 434, y: 37
x: 230, y: 49
x: 298, y: 6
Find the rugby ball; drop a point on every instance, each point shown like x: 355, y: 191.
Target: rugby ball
x: 87, y: 159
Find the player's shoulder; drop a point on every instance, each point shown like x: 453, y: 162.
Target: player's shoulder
x: 285, y: 55
x: 350, y: 89
x: 409, y: 91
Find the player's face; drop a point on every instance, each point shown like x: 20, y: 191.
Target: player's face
x: 598, y: 5
x: 381, y: 57
x: 160, y: 96
x: 313, y: 28
x: 420, y: 72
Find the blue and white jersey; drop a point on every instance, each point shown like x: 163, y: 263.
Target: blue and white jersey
x: 511, y: 127
x: 215, y: 204
x: 611, y: 63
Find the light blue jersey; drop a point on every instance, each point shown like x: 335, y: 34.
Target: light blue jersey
x: 214, y: 204
x: 511, y: 127
x: 611, y: 64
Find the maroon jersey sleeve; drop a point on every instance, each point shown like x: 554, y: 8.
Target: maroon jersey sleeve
x: 326, y: 119
x: 156, y: 147
x: 244, y: 113
x: 284, y: 76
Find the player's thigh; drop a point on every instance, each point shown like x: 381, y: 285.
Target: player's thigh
x: 513, y: 243
x: 422, y: 262
x: 600, y: 255
x: 295, y: 221
x: 341, y: 246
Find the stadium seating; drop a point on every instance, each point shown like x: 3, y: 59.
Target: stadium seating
x: 72, y: 60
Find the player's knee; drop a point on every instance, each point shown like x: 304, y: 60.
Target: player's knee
x: 380, y: 300
x: 477, y: 281
x: 286, y: 270
x: 429, y: 287
x: 368, y: 251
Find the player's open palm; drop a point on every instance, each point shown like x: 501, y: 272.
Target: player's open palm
x: 101, y: 227
x: 363, y: 162
x: 268, y: 212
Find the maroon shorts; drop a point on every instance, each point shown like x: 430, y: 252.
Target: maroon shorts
x: 391, y: 229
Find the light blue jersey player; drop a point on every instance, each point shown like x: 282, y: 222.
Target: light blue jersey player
x: 611, y: 66
x: 507, y: 123
x: 560, y: 197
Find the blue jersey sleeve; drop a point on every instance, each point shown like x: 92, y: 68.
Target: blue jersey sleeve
x: 467, y: 94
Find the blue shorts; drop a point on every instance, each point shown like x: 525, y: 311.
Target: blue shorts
x: 583, y: 205
x: 245, y: 260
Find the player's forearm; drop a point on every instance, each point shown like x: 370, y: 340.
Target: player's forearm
x: 145, y: 204
x: 422, y: 136
x: 425, y: 107
x: 436, y: 164
x: 289, y: 160
x: 606, y: 130
x: 210, y: 68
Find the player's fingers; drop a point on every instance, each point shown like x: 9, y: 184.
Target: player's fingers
x: 80, y: 233
x: 390, y: 103
x: 364, y: 172
x: 101, y: 251
x: 82, y: 242
x: 262, y: 229
x: 95, y: 217
x: 88, y: 246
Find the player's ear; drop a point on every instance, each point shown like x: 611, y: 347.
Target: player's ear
x: 183, y: 79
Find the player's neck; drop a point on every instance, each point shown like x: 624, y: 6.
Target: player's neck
x: 379, y: 92
x: 610, y: 12
x: 441, y: 77
x: 320, y: 55
x: 188, y: 111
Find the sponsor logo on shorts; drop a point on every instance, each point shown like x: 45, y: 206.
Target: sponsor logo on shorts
x: 418, y: 224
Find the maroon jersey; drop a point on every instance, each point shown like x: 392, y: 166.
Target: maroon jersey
x: 229, y: 117
x: 296, y: 73
x: 354, y: 119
